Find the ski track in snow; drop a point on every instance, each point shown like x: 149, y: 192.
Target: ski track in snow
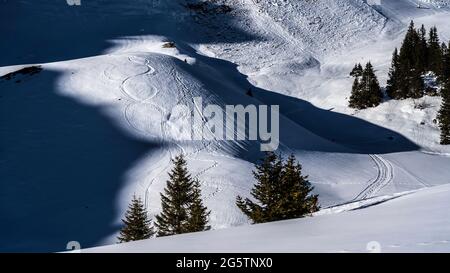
x: 134, y: 100
x: 385, y: 175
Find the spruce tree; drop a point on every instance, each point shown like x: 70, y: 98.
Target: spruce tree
x: 422, y: 51
x: 414, y: 86
x: 371, y: 87
x: 357, y: 70
x: 137, y: 224
x: 366, y: 91
x: 445, y: 62
x: 444, y: 114
x: 392, y: 83
x: 356, y: 95
x: 198, y: 213
x: 434, y: 52
x: 175, y: 201
x: 266, y: 191
x: 410, y: 82
x: 297, y: 199
x: 281, y: 192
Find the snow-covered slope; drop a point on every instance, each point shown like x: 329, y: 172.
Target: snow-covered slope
x: 408, y: 222
x: 98, y: 124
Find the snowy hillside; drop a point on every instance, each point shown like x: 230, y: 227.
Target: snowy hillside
x: 99, y: 123
x: 408, y: 222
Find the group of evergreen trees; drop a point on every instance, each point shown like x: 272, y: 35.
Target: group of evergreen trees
x: 366, y: 91
x: 281, y: 191
x: 182, y: 209
x: 420, y: 53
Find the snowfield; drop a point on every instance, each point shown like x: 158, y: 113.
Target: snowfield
x: 408, y: 222
x: 100, y: 122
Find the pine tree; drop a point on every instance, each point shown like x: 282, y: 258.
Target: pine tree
x: 198, y: 213
x: 371, y: 87
x: 356, y: 95
x: 297, y: 199
x: 408, y: 51
x: 445, y: 62
x: 281, y: 191
x: 366, y: 91
x: 422, y: 51
x: 444, y: 114
x: 434, y: 52
x: 410, y: 83
x: 392, y: 83
x: 175, y: 201
x: 357, y: 71
x: 266, y: 191
x: 137, y: 225
x: 414, y: 86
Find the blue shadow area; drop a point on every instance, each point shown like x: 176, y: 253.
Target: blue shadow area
x: 61, y: 166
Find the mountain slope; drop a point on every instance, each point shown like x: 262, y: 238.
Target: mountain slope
x: 411, y: 222
x: 100, y: 122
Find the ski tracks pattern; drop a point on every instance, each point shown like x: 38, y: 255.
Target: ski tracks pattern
x: 385, y: 175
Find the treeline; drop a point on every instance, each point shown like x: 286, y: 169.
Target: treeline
x: 421, y: 55
x: 281, y: 192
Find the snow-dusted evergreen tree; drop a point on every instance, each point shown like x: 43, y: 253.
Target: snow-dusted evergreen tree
x: 366, y: 91
x: 175, y: 200
x: 422, y: 50
x: 198, y: 213
x: 392, y: 88
x: 357, y: 71
x: 356, y: 95
x: 445, y: 61
x: 434, y: 52
x: 444, y: 114
x: 137, y: 224
x: 410, y: 82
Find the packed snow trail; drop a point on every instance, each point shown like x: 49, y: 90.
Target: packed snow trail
x: 385, y: 175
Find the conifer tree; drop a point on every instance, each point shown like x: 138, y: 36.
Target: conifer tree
x: 356, y: 95
x: 366, y: 91
x: 265, y: 191
x: 434, y: 52
x: 392, y: 83
x: 371, y: 87
x: 444, y: 114
x: 137, y: 224
x: 297, y: 199
x: 198, y: 213
x: 408, y: 51
x: 414, y: 85
x: 281, y: 191
x: 422, y: 51
x: 357, y: 71
x: 410, y: 83
x: 445, y: 62
x: 175, y: 201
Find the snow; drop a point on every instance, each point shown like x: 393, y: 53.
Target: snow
x: 99, y: 123
x: 407, y: 222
